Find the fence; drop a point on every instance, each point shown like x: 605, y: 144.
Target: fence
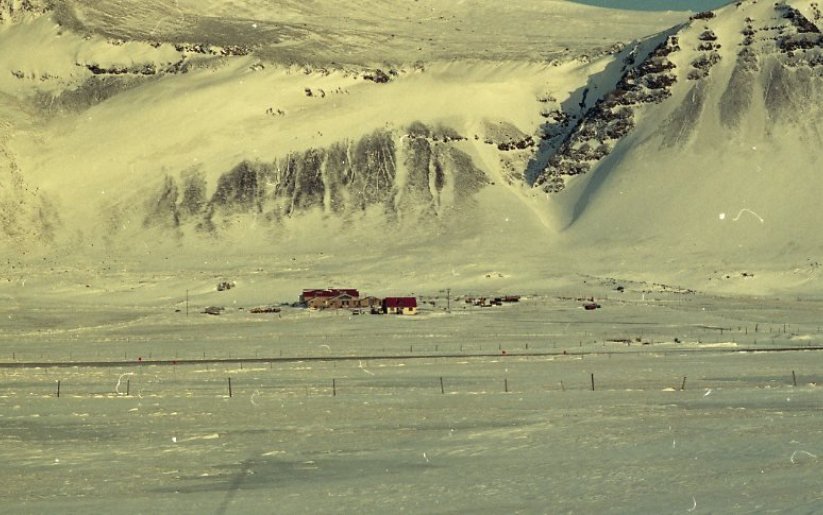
x: 359, y: 378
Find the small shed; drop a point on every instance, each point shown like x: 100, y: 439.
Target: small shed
x: 400, y: 305
x: 370, y: 302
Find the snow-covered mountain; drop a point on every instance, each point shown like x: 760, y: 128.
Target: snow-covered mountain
x: 533, y: 138
x: 707, y: 145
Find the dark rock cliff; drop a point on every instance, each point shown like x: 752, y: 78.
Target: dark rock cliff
x: 420, y: 173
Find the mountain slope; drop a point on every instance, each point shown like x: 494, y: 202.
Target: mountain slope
x: 116, y: 113
x: 322, y: 32
x: 706, y: 151
x: 661, y: 147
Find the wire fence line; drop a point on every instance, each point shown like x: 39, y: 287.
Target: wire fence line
x: 324, y: 346
x: 225, y: 384
x: 619, y: 367
x: 432, y: 352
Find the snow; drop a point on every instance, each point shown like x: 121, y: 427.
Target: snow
x: 311, y: 432
x: 114, y: 154
x: 386, y: 435
x: 694, y: 362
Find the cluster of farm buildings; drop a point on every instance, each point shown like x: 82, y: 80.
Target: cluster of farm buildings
x: 351, y: 299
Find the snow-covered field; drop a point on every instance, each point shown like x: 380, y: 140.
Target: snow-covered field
x: 515, y: 428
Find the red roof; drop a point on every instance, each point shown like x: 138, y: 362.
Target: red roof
x: 310, y: 294
x: 399, y: 302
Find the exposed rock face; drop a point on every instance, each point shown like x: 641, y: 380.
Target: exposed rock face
x: 506, y: 137
x: 90, y: 92
x: 684, y: 120
x: 423, y: 171
x: 612, y: 117
x: 12, y: 10
x: 707, y: 56
x: 792, y: 84
x: 778, y: 57
x: 206, y: 49
x: 142, y: 69
x: 417, y: 174
x: 738, y: 96
x: 163, y: 209
x: 194, y: 193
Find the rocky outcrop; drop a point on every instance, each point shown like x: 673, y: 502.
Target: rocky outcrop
x: 704, y: 15
x: 777, y: 57
x: 90, y: 92
x: 800, y: 40
x: 140, y: 69
x: 194, y: 199
x: 739, y: 93
x: 213, y: 50
x: 162, y: 210
x: 788, y: 55
x: 612, y: 117
x: 377, y: 76
x: 800, y: 22
x: 13, y: 10
x: 416, y: 175
x: 506, y: 137
x: 707, y: 56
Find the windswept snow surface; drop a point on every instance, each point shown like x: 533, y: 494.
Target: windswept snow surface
x: 650, y: 404
x: 739, y: 438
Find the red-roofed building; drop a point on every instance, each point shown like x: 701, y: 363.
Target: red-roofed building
x: 323, y: 297
x: 400, y: 305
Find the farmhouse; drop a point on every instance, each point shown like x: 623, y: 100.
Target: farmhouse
x: 335, y: 298
x: 400, y: 305
x: 330, y: 298
x: 341, y: 301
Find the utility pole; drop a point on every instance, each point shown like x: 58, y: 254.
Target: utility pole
x: 448, y: 300
x: 187, y: 302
